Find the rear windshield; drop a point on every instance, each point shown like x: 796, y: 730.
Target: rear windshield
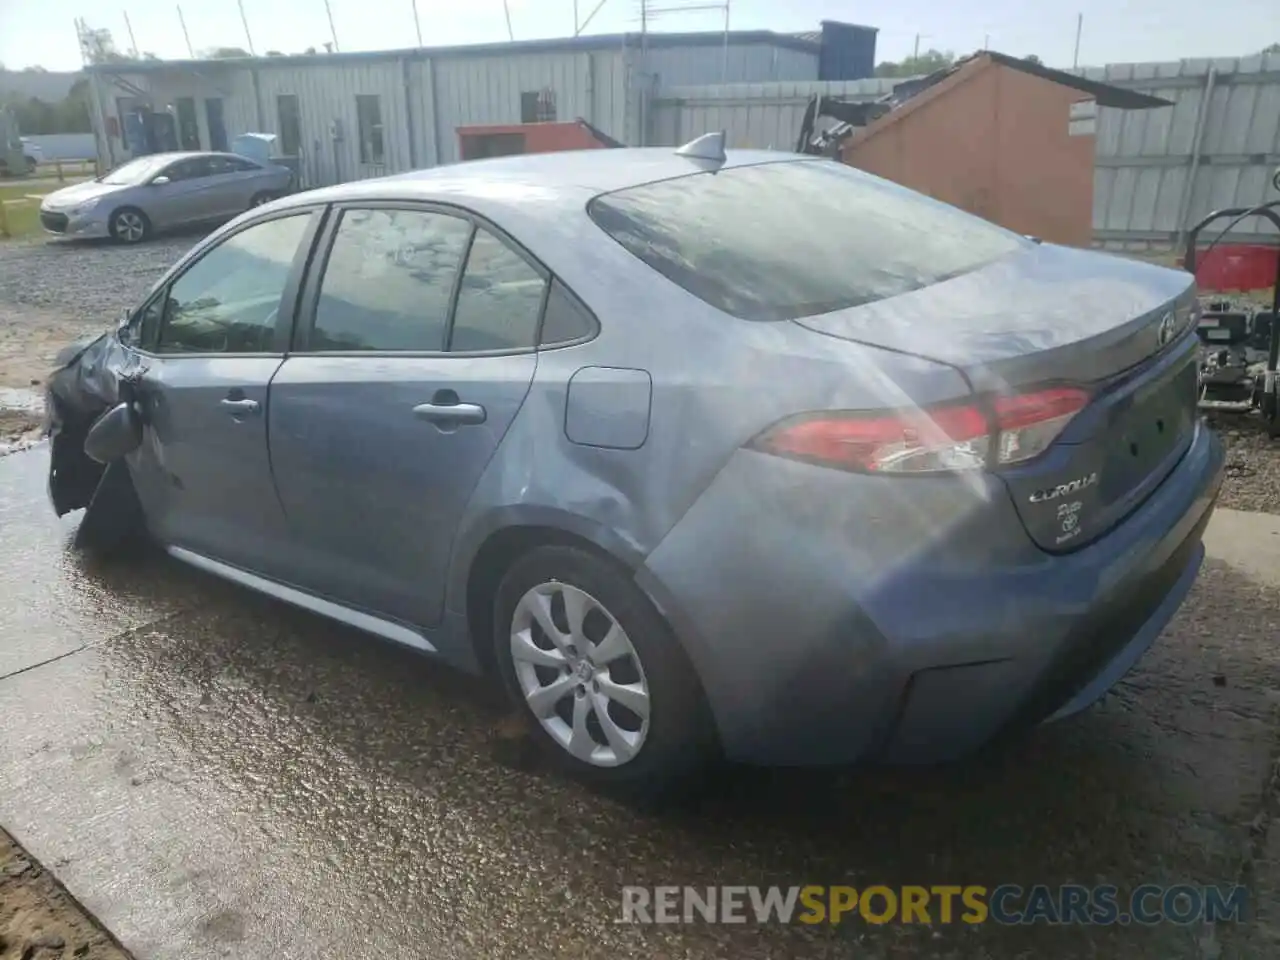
x: 793, y: 239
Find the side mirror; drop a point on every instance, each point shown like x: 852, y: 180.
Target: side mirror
x: 116, y: 433
x: 160, y: 181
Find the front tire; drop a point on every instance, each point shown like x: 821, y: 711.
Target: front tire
x: 129, y: 225
x: 608, y: 690
x: 258, y: 199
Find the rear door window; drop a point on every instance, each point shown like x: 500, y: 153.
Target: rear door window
x: 566, y: 319
x: 792, y: 239
x: 388, y: 281
x: 195, y: 168
x: 499, y: 301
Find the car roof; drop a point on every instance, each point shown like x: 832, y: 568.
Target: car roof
x: 567, y: 178
x: 172, y: 155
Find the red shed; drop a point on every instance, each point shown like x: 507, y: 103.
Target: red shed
x: 1005, y: 138
x: 502, y: 140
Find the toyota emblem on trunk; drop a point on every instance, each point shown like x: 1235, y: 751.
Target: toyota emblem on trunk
x: 1165, y: 333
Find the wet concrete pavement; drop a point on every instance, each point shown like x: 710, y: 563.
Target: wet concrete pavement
x: 213, y: 774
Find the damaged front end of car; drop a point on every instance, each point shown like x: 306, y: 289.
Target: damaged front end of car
x: 94, y: 419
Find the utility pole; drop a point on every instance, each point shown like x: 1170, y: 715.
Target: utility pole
x: 245, y: 20
x: 590, y: 16
x: 332, y: 31
x: 506, y: 9
x: 724, y: 53
x: 575, y: 17
x: 133, y: 44
x: 186, y: 36
x: 416, y: 25
x: 1075, y: 60
x: 986, y: 41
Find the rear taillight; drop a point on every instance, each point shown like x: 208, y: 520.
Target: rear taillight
x: 1016, y: 428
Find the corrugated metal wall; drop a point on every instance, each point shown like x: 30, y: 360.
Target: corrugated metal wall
x: 329, y: 93
x: 688, y: 65
x: 233, y: 86
x: 756, y: 115
x: 1151, y: 178
x: 424, y: 100
x: 485, y: 90
x: 1159, y: 171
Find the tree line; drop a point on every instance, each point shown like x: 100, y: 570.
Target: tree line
x: 68, y: 115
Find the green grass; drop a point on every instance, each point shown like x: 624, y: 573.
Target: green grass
x: 23, y: 218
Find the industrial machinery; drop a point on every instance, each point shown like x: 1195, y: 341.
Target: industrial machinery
x: 1239, y: 339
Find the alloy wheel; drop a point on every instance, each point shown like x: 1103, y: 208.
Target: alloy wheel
x: 130, y: 226
x: 580, y: 674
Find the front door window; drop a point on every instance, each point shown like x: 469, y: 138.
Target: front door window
x: 228, y: 301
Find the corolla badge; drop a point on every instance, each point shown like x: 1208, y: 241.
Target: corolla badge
x: 1165, y: 332
x: 1063, y: 489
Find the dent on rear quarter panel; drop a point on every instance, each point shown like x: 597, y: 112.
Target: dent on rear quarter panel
x: 716, y: 383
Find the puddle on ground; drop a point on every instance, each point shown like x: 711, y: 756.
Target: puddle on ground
x: 21, y: 412
x: 21, y: 398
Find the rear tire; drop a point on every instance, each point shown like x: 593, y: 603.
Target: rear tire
x: 129, y: 225
x: 605, y: 687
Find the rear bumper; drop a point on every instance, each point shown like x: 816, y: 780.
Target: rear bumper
x: 833, y: 618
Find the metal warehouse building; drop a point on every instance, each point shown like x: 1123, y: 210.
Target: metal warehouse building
x: 348, y: 116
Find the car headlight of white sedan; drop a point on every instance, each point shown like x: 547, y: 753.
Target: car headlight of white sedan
x: 80, y: 209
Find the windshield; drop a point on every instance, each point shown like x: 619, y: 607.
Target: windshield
x: 136, y: 171
x: 783, y: 240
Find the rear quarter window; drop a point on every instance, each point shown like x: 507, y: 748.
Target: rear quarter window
x: 778, y: 241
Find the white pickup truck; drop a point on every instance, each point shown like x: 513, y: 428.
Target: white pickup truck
x: 32, y: 152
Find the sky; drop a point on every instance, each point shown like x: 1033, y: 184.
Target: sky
x: 42, y: 31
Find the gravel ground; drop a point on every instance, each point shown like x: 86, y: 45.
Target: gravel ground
x: 39, y: 920
x: 53, y: 292
x: 1253, y: 464
x: 89, y: 281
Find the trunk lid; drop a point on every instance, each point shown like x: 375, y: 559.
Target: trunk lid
x: 1054, y: 315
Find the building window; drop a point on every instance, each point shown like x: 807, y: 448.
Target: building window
x: 188, y: 127
x: 217, y: 125
x: 290, y: 125
x: 538, y: 106
x: 369, y: 122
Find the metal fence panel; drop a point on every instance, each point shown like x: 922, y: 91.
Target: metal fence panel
x: 1159, y: 171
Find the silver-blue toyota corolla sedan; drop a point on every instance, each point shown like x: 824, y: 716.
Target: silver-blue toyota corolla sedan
x: 757, y: 454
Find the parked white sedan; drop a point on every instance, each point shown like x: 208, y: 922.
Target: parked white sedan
x: 161, y: 191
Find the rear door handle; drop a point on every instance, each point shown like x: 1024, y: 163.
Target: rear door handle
x: 239, y: 408
x: 450, y: 413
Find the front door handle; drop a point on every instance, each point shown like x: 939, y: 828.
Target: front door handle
x: 239, y: 407
x: 450, y: 414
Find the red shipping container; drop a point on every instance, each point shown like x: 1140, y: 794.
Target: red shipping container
x: 1238, y: 266
x: 501, y: 140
